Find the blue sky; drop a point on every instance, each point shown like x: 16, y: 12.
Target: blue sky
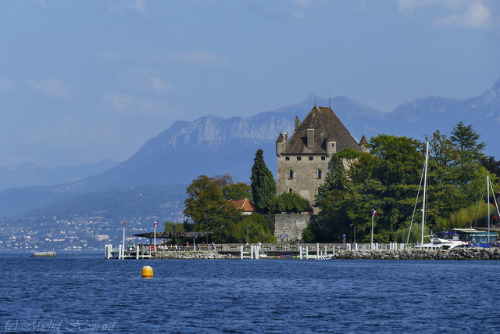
x: 82, y: 81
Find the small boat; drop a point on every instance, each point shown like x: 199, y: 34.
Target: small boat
x: 447, y: 243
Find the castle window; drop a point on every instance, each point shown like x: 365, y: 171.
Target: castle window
x: 319, y: 174
x: 310, y: 158
x: 290, y: 190
x: 333, y: 145
x: 290, y: 174
x: 287, y: 158
x: 323, y: 158
x: 299, y: 158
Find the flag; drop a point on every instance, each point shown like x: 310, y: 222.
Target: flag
x: 374, y: 213
x: 123, y: 223
x: 155, y: 224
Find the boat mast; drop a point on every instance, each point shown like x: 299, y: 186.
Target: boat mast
x: 488, y: 196
x: 425, y: 186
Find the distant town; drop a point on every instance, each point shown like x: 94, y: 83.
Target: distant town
x: 79, y: 234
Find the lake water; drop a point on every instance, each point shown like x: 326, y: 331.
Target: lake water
x: 87, y: 293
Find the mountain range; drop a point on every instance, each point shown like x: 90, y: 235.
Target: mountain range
x: 213, y: 145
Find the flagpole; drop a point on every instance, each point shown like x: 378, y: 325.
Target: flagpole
x: 371, y: 244
x: 124, y: 238
x: 155, y: 236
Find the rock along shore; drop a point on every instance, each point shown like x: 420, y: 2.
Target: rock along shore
x: 202, y: 255
x: 422, y: 254
x: 407, y: 254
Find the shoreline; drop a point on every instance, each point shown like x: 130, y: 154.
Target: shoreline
x: 407, y: 254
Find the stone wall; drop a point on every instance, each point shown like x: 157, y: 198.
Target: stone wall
x: 291, y: 224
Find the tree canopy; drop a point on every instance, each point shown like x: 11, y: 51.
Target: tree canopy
x: 387, y: 180
x: 208, y: 205
x: 289, y: 203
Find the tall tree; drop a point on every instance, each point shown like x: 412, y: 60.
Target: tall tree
x: 335, y: 179
x: 262, y: 183
x: 466, y: 140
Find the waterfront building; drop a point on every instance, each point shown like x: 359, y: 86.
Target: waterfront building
x: 304, y: 158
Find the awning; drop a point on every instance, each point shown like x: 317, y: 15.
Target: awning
x: 173, y: 235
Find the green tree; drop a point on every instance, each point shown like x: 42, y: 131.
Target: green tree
x: 174, y: 227
x: 388, y: 180
x: 492, y: 165
x: 466, y: 140
x: 384, y: 180
x: 262, y: 183
x: 253, y: 228
x: 209, y: 210
x: 237, y: 191
x: 335, y: 179
x: 290, y: 203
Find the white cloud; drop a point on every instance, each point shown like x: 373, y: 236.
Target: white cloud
x: 6, y: 85
x: 295, y: 9
x: 158, y: 85
x: 42, y: 4
x: 138, y: 6
x: 473, y: 14
x: 53, y: 88
x: 476, y: 16
x: 126, y: 104
x: 118, y: 101
x: 198, y: 58
x: 306, y: 3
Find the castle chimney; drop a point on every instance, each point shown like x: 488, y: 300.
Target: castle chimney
x: 310, y: 138
x: 286, y: 136
x: 297, y: 122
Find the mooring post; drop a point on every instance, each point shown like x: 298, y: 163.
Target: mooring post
x: 307, y: 252
x: 241, y: 251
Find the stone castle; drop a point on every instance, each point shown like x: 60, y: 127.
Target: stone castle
x: 304, y: 158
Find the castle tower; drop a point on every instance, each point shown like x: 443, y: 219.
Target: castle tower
x: 303, y: 159
x: 362, y: 144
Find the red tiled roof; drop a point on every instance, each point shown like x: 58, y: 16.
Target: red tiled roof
x: 244, y: 205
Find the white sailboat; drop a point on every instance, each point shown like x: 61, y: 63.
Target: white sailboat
x: 435, y: 242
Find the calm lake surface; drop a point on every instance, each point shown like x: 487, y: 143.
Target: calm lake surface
x: 87, y: 293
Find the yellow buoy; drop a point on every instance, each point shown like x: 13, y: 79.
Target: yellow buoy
x: 147, y: 272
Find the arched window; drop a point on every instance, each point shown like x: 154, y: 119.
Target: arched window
x: 290, y: 174
x: 319, y: 174
x: 290, y: 190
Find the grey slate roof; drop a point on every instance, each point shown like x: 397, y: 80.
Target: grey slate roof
x: 327, y: 127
